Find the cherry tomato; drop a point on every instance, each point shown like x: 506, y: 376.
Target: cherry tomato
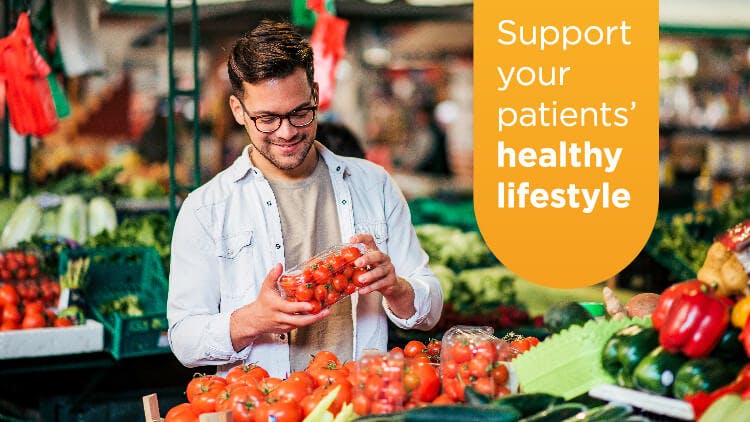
x: 63, y: 322
x: 31, y: 260
x: 304, y: 292
x: 332, y: 297
x: 460, y: 352
x: 33, y: 320
x: 320, y: 292
x: 443, y: 399
x: 413, y: 347
x: 361, y: 404
x: 350, y: 253
x: 433, y: 347
x: 485, y: 386
x: 480, y: 366
x: 358, y: 272
x: 316, y: 306
x: 499, y: 374
x: 340, y: 282
x: 321, y: 274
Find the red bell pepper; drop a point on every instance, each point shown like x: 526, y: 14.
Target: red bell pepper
x: 703, y: 400
x: 695, y: 324
x: 672, y: 293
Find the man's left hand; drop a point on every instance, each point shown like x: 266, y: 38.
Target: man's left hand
x: 382, y: 278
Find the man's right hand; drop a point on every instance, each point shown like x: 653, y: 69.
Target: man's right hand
x: 270, y: 313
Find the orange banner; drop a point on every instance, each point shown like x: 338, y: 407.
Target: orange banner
x: 566, y: 131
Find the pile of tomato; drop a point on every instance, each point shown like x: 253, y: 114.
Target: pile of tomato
x: 325, y: 280
x: 476, y: 361
x: 26, y: 297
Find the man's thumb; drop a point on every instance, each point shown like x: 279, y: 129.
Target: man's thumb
x: 273, y: 275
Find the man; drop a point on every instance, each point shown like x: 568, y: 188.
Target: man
x: 283, y: 200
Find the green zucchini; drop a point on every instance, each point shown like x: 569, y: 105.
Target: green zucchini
x: 384, y: 417
x: 606, y: 413
x: 475, y: 398
x: 528, y: 403
x: 556, y: 413
x: 446, y: 413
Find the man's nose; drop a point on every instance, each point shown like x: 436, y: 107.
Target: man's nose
x: 286, y: 130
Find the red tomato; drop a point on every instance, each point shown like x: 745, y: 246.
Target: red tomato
x: 379, y: 407
x: 304, y: 377
x: 460, y: 352
x: 358, y: 272
x: 203, y: 383
x: 321, y: 274
x: 309, y: 403
x: 320, y: 292
x: 284, y: 411
x: 340, y: 282
x: 499, y: 374
x: 480, y: 366
x: 336, y: 263
x: 429, y: 381
x: 413, y: 347
x: 290, y: 389
x: 8, y: 295
x: 8, y: 326
x: 63, y: 322
x: 485, y: 386
x: 443, y: 399
x: 304, y: 292
x: 251, y: 370
x: 323, y: 358
x: 350, y: 253
x: 11, y: 314
x: 449, y: 369
x: 31, y: 260
x: 205, y: 402
x: 33, y: 320
x: 266, y: 385
x: 350, y: 289
x: 487, y: 349
x: 34, y: 306
x: 22, y: 274
x: 454, y: 389
x: 332, y: 297
x: 5, y: 275
x: 524, y: 344
x: 361, y: 404
x: 316, y: 306
x: 11, y: 264
x: 241, y: 399
x: 181, y: 413
x: 433, y: 347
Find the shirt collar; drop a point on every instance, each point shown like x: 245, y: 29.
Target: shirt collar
x: 242, y: 165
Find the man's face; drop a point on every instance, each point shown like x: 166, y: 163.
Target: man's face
x: 287, y: 147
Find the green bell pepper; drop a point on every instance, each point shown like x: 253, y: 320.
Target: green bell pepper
x: 656, y: 373
x: 704, y: 374
x: 625, y: 349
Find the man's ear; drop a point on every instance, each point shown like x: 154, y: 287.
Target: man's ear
x: 315, y: 92
x: 237, y: 111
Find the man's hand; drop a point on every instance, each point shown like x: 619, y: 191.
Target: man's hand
x: 382, y: 278
x: 270, y: 313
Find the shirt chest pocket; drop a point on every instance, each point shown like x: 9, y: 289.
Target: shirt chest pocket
x: 234, y: 245
x: 378, y: 230
x: 235, y: 252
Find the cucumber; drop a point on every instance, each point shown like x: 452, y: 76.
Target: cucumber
x: 384, y: 417
x: 606, y: 413
x: 557, y: 413
x: 528, y: 403
x: 445, y: 413
x: 475, y: 398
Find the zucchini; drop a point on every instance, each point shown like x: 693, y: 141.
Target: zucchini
x: 528, y: 403
x: 557, y: 413
x: 384, y: 417
x: 475, y: 398
x: 606, y: 413
x: 446, y: 413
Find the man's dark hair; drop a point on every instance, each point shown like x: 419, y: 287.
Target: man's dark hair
x: 271, y: 50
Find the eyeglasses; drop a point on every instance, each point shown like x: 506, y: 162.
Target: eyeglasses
x: 269, y: 123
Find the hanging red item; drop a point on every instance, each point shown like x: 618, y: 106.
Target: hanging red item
x: 327, y: 42
x: 24, y: 73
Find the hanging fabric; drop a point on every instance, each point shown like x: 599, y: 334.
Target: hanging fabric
x: 328, y: 46
x: 76, y: 23
x: 24, y: 73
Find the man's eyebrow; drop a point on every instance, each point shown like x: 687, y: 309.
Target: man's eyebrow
x: 307, y: 103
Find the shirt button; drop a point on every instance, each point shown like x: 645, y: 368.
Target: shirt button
x: 268, y: 203
x: 343, y: 201
x: 338, y: 168
x: 282, y: 336
x: 278, y: 246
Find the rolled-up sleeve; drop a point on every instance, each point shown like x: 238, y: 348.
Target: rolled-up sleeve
x: 411, y: 263
x: 198, y: 331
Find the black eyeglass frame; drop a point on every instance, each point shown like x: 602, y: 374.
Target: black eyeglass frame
x: 281, y: 117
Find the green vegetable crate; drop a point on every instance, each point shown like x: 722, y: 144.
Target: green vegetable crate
x: 115, y: 273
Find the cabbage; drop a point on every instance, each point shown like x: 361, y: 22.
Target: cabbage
x: 101, y: 216
x: 22, y: 224
x: 72, y: 218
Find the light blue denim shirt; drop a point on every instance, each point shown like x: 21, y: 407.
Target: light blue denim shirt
x: 227, y: 237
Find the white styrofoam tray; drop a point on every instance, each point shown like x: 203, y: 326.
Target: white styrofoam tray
x: 659, y: 405
x: 52, y: 341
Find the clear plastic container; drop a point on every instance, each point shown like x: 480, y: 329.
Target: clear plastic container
x: 473, y: 356
x: 379, y: 382
x: 325, y: 278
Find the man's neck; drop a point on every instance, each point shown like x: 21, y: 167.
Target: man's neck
x: 270, y: 171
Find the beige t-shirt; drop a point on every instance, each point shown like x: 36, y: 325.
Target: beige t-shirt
x: 310, y: 223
